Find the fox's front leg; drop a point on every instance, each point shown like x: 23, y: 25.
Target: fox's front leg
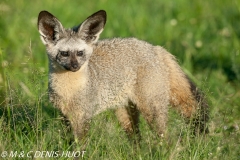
x: 80, y: 125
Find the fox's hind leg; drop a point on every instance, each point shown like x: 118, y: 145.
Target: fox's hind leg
x: 152, y: 92
x: 155, y: 113
x: 129, y: 119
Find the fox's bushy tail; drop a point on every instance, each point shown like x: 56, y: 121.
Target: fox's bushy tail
x: 201, y: 116
x: 186, y: 97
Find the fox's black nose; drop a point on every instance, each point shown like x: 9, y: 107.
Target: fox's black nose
x: 75, y: 66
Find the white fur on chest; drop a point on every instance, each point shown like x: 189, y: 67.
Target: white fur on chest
x: 67, y: 84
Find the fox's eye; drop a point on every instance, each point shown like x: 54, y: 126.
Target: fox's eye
x: 64, y: 53
x: 79, y: 53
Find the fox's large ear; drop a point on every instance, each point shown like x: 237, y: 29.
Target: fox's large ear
x: 49, y: 27
x: 92, y: 27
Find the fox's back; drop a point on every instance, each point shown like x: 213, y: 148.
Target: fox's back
x: 127, y: 50
x: 122, y: 68
x: 118, y: 55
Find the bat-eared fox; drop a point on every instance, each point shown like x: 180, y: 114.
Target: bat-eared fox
x: 88, y: 76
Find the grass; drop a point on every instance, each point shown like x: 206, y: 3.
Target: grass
x: 204, y: 36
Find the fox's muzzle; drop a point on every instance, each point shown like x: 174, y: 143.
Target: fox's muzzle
x: 74, y: 66
x: 69, y: 61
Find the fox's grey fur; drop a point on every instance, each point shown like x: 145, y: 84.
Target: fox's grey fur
x: 87, y: 76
